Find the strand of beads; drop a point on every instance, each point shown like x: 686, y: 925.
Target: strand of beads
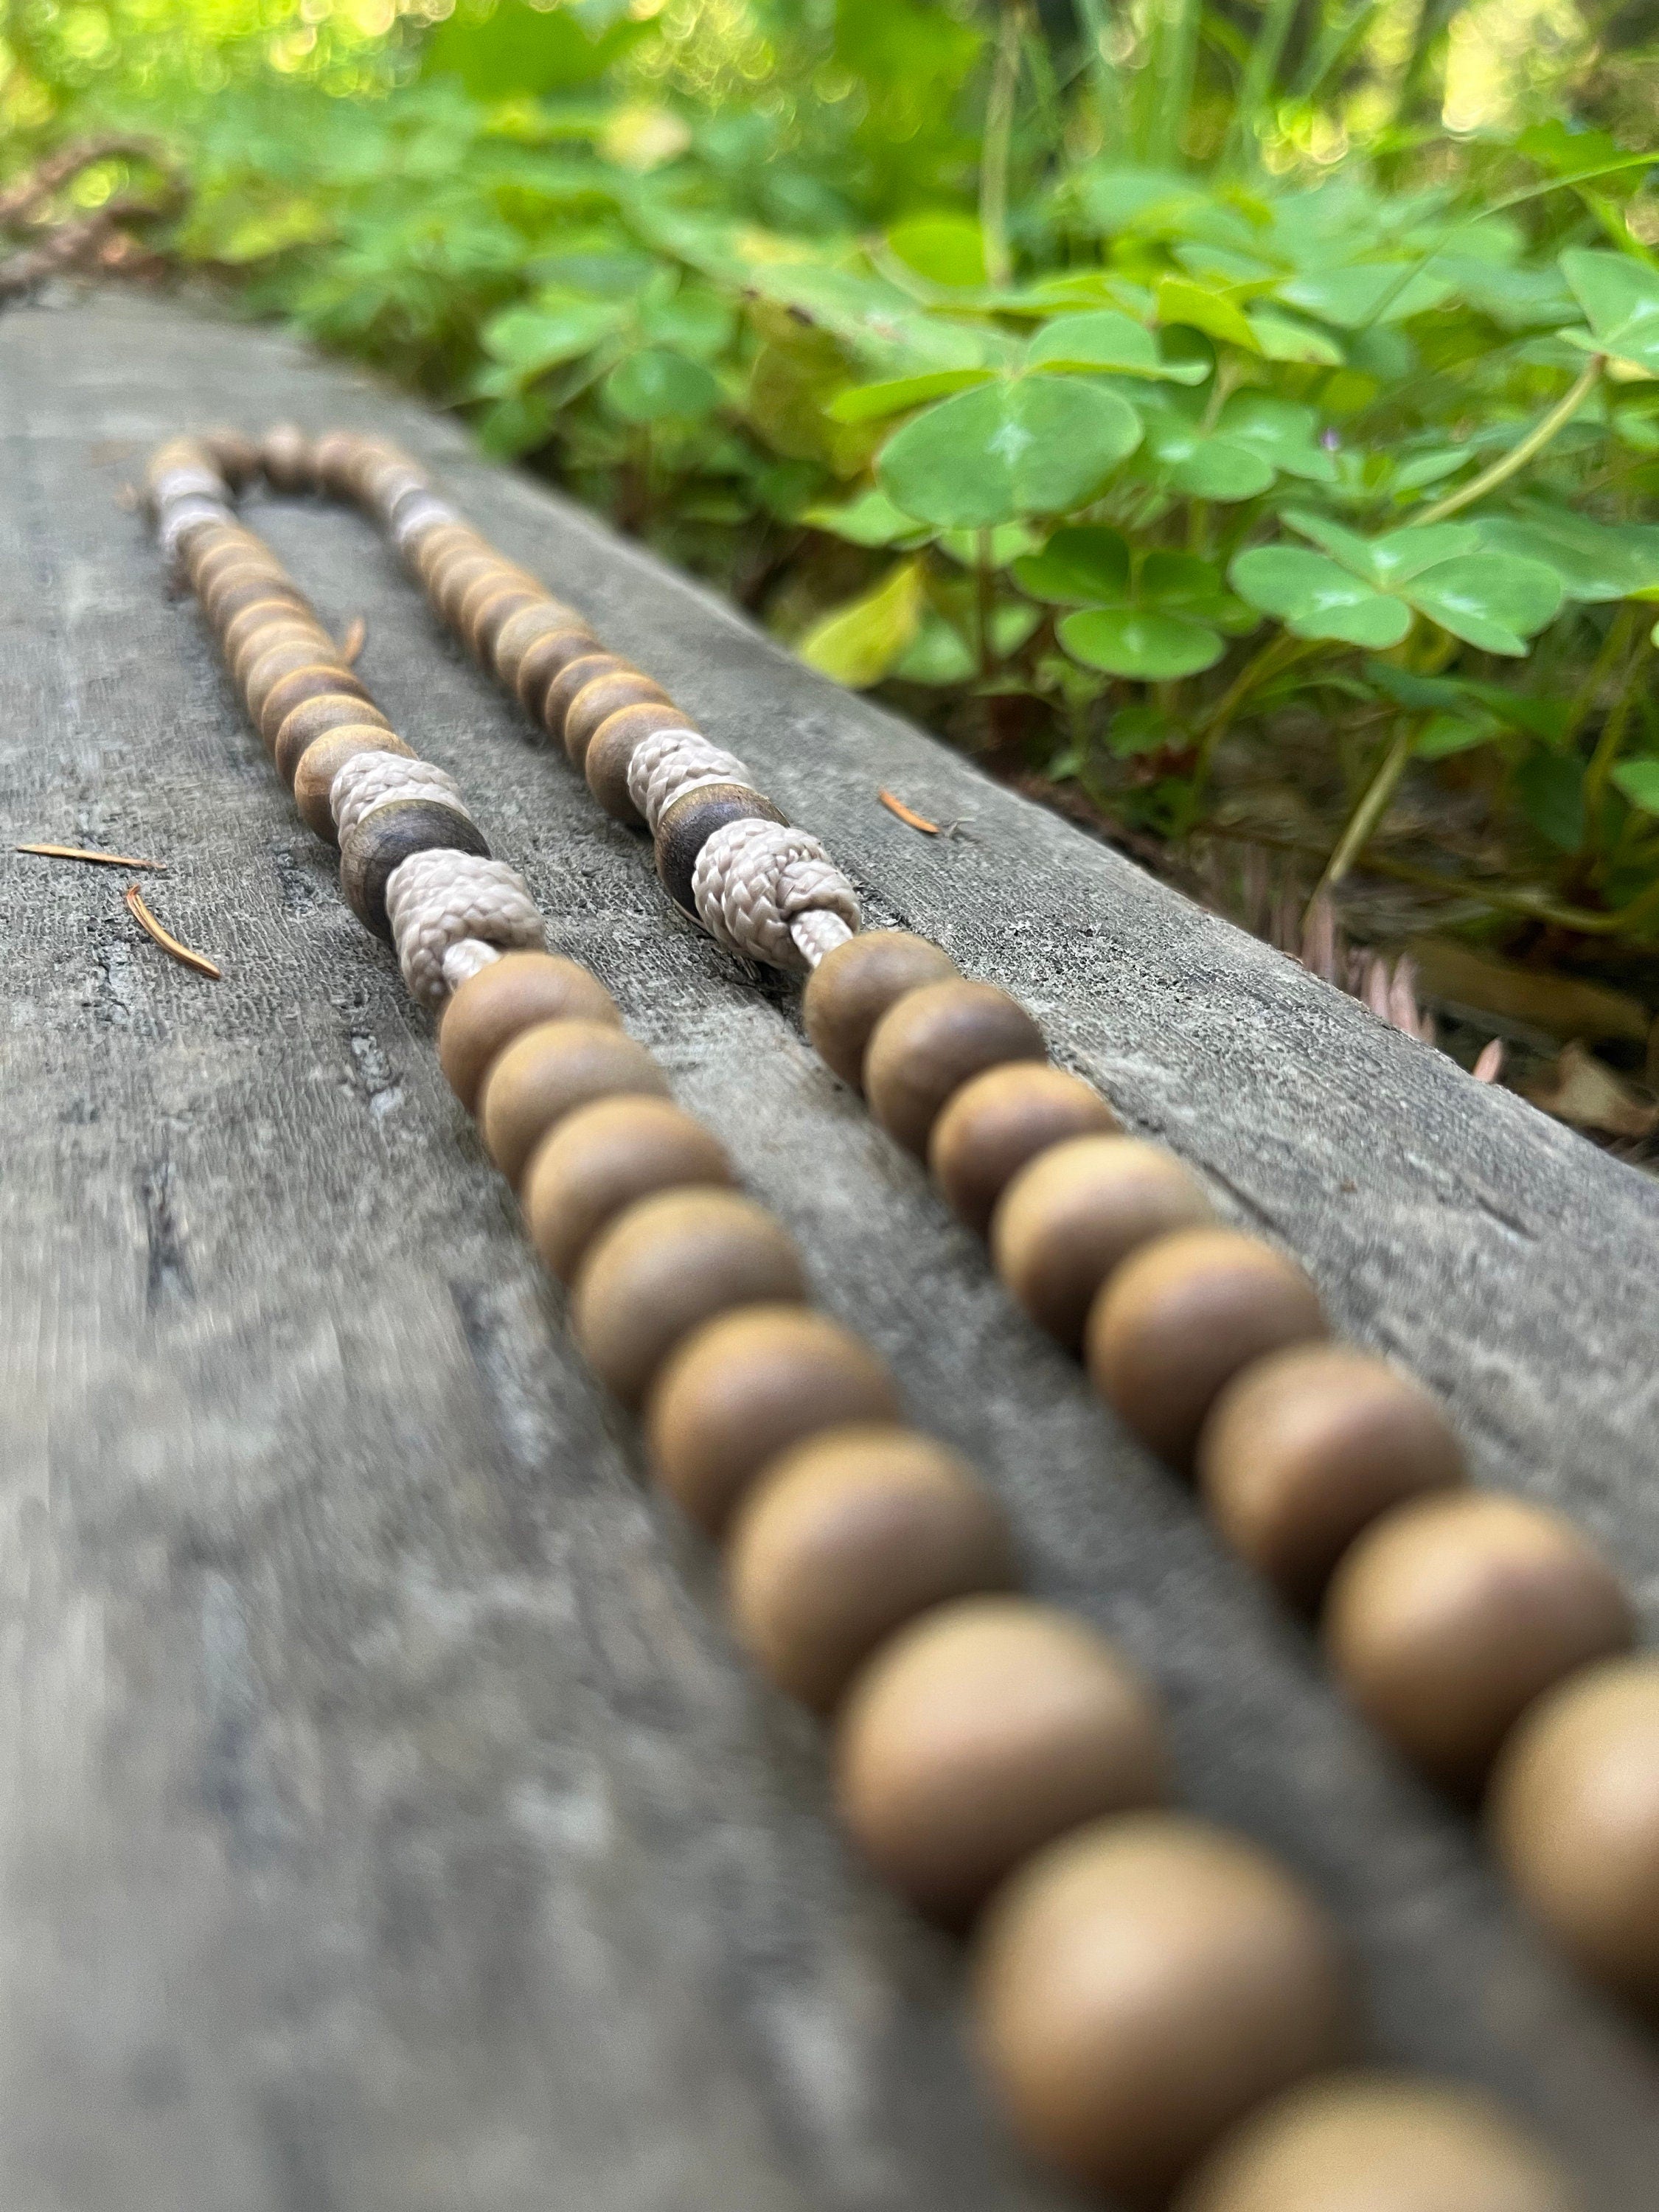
x: 997, y: 1760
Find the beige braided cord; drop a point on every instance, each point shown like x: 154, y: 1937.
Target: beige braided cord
x: 754, y: 880
x: 370, y: 780
x: 437, y: 900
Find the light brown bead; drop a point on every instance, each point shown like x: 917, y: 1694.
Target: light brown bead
x: 1574, y: 1812
x: 455, y: 578
x: 1143, y: 1984
x: 600, y: 698
x: 323, y: 680
x: 1379, y: 2142
x: 934, y: 1040
x: 494, y: 615
x: 335, y: 459
x: 267, y: 609
x: 549, y: 618
x: 317, y: 717
x: 748, y: 1387
x: 852, y: 987
x: 1450, y: 1615
x: 978, y: 1735
x: 502, y: 1000
x: 604, y: 763
x: 233, y: 453
x: 437, y: 546
x: 1181, y: 1317
x: 1070, y: 1219
x: 664, y: 1267
x: 600, y: 1160
x: 570, y: 680
x: 282, y: 660
x: 501, y: 594
x: 544, y: 657
x: 287, y: 628
x: 546, y: 1073
x: 287, y: 459
x: 232, y: 590
x: 844, y: 1538
x: 1304, y: 1448
x: 322, y: 761
x: 1000, y: 1120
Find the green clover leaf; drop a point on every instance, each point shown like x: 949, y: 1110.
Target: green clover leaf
x: 1025, y: 444
x: 1108, y: 341
x: 1621, y: 300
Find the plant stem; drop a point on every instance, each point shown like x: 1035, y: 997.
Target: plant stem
x: 1096, y: 20
x: 1265, y: 51
x: 1614, y: 645
x: 1607, y: 744
x: 984, y: 599
x: 1531, y: 446
x: 1372, y: 805
x: 998, y: 143
x: 1175, y: 64
x: 1272, y: 656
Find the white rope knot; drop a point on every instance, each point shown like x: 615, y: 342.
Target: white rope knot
x: 436, y: 900
x: 667, y: 765
x: 754, y: 879
x: 370, y: 780
x: 463, y: 961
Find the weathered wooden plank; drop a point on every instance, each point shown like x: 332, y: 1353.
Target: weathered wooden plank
x: 388, y: 1820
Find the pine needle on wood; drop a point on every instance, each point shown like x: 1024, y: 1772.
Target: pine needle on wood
x: 147, y: 921
x: 84, y: 853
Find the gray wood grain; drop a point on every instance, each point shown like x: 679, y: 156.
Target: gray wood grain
x: 388, y: 1820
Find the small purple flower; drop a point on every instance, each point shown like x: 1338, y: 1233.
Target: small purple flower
x: 1330, y: 441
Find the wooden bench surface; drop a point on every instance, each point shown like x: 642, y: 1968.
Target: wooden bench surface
x: 388, y: 1821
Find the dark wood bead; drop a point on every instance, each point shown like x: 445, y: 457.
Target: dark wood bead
x: 324, y: 680
x: 1142, y: 1985
x: 314, y: 718
x: 322, y: 761
x: 1181, y: 1317
x: 999, y: 1121
x: 598, y: 700
x: 1379, y: 2142
x: 335, y: 459
x: 979, y: 1732
x: 502, y: 1000
x: 548, y: 652
x: 1305, y: 1448
x: 852, y: 987
x: 288, y: 458
x: 686, y: 827
x: 1451, y: 1613
x: 612, y: 748
x: 572, y: 678
x: 387, y: 836
x: 541, y: 618
x: 1574, y: 1811
x: 931, y: 1041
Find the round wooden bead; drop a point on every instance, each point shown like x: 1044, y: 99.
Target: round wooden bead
x: 1140, y: 1986
x: 441, y: 544
x: 979, y: 1733
x: 748, y: 1387
x: 385, y: 837
x: 268, y: 670
x: 544, y: 618
x: 335, y: 459
x: 1448, y: 1617
x: 1305, y: 1448
x: 1377, y: 2143
x: 846, y: 1538
x: 597, y: 700
x: 665, y: 1266
x: 852, y: 987
x: 313, y: 718
x: 235, y: 455
x: 322, y: 761
x: 247, y: 604
x: 685, y: 828
x: 544, y: 657
x: 455, y: 578
x: 325, y: 680
x: 509, y: 996
x: 997, y: 1122
x: 546, y: 1073
x: 494, y: 615
x: 287, y: 628
x: 1574, y: 1812
x: 1180, y: 1317
x: 227, y: 586
x: 501, y: 595
x: 287, y: 458
x: 573, y: 676
x: 600, y: 1159
x: 932, y: 1040
x: 1073, y: 1215
x: 610, y: 750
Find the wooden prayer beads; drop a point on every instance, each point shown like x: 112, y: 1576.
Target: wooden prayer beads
x: 546, y: 1073
x: 930, y: 1042
x: 599, y: 1160
x: 511, y: 996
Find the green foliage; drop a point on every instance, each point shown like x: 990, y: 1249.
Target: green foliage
x: 1219, y: 459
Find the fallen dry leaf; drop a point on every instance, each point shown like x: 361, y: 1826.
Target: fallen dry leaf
x: 1585, y: 1092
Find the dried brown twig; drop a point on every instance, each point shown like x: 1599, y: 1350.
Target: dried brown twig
x: 182, y: 953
